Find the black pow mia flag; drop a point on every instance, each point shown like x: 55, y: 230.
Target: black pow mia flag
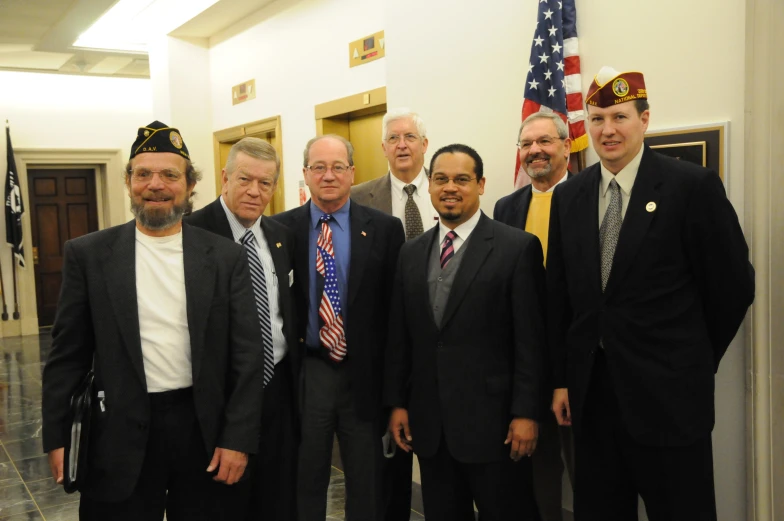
x: 14, y: 207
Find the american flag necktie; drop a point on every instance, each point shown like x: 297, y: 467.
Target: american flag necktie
x: 331, y: 334
x: 259, y: 282
x: 448, y: 249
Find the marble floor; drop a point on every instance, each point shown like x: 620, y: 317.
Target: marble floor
x: 27, y: 490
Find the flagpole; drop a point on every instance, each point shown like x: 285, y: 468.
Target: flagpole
x: 16, y: 301
x: 2, y: 292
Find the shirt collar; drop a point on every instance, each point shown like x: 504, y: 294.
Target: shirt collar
x: 463, y: 231
x: 237, y: 228
x: 419, y: 181
x: 341, y: 216
x: 563, y: 179
x: 625, y: 178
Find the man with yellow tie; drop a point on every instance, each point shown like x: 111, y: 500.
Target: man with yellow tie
x: 543, y: 144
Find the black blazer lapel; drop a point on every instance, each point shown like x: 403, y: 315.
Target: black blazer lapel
x: 302, y: 259
x: 583, y: 216
x: 362, y: 237
x: 637, y: 219
x: 199, y: 288
x: 278, y: 249
x: 521, y: 206
x: 119, y: 268
x: 220, y: 220
x: 479, y: 246
x: 419, y: 267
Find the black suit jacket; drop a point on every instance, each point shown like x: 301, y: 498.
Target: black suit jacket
x: 679, y: 288
x: 281, y: 244
x: 98, y: 319
x: 375, y: 243
x: 513, y: 208
x: 481, y: 368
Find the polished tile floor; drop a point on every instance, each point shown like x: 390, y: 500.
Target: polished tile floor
x: 27, y: 490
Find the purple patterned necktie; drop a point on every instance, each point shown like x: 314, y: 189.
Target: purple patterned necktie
x: 448, y: 249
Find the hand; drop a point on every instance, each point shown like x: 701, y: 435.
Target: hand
x: 56, y: 464
x: 522, y: 434
x: 563, y: 414
x: 399, y: 420
x: 230, y: 464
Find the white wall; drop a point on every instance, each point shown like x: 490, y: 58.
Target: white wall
x: 462, y: 65
x: 298, y: 55
x: 48, y: 111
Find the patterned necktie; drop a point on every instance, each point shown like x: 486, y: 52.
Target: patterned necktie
x: 609, y: 231
x: 331, y: 334
x: 259, y: 281
x: 448, y: 250
x: 414, y: 226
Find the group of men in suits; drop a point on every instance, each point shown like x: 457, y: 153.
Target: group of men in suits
x: 230, y: 349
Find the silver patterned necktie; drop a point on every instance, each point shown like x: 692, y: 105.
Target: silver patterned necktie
x: 259, y: 282
x: 414, y: 226
x: 609, y: 231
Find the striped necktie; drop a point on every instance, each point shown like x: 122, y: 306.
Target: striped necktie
x: 331, y: 334
x: 259, y: 281
x: 448, y: 250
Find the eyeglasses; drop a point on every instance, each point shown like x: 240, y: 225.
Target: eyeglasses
x: 543, y: 142
x: 337, y: 169
x: 394, y: 139
x: 167, y: 175
x: 459, y: 180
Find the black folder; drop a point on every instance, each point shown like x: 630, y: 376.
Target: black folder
x: 75, y: 457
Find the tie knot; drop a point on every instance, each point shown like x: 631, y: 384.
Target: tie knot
x: 451, y: 236
x: 409, y: 189
x: 614, y: 185
x: 248, y: 237
x: 325, y: 218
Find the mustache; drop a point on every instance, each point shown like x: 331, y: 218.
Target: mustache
x: 540, y: 155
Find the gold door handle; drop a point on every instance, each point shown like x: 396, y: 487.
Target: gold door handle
x: 35, y: 254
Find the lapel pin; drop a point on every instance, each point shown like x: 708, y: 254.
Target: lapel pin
x: 650, y: 206
x: 278, y: 244
x: 364, y: 234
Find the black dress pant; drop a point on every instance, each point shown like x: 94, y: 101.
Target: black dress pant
x: 173, y: 477
x: 397, y: 486
x: 273, y: 470
x: 675, y: 483
x: 502, y: 490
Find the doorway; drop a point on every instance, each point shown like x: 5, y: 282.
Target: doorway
x: 63, y: 206
x: 266, y: 129
x: 358, y: 118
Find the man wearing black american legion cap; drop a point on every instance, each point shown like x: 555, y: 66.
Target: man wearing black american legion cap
x: 162, y: 312
x: 648, y: 280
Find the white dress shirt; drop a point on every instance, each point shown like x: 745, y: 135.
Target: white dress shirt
x: 463, y: 231
x: 421, y: 198
x: 279, y: 346
x: 625, y: 179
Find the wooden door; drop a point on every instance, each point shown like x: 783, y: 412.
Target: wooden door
x: 365, y: 135
x: 62, y: 206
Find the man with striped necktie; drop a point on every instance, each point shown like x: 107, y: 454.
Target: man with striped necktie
x: 249, y: 180
x: 464, y: 359
x: 347, y: 254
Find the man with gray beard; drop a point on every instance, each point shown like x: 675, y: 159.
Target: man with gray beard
x: 543, y: 143
x: 162, y: 312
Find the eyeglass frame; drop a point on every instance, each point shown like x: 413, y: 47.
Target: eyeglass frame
x: 408, y: 137
x: 537, y: 141
x: 134, y: 174
x: 328, y: 168
x: 460, y: 180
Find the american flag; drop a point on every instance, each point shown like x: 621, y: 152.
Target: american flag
x: 332, y: 334
x: 553, y: 83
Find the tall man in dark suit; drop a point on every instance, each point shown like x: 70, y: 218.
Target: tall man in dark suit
x: 543, y: 143
x: 468, y: 339
x: 161, y: 311
x: 648, y: 281
x: 402, y: 193
x: 249, y: 181
x: 346, y: 254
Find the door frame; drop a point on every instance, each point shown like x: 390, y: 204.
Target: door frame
x: 268, y: 128
x: 110, y: 203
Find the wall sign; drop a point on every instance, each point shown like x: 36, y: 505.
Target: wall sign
x: 243, y: 92
x: 366, y: 50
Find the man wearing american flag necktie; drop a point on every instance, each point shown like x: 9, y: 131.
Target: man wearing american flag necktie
x: 553, y: 81
x: 347, y: 254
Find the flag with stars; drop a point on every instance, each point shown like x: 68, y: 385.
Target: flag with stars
x: 553, y: 82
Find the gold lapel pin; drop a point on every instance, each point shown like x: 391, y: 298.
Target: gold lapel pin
x: 650, y: 206
x: 364, y: 234
x: 278, y: 244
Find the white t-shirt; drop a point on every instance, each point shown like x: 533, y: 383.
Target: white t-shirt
x: 163, y: 316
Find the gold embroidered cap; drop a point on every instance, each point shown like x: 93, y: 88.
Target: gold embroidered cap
x: 159, y: 137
